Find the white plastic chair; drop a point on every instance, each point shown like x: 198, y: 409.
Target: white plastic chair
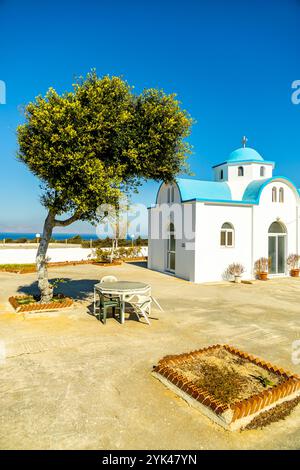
x: 109, y: 279
x: 141, y: 305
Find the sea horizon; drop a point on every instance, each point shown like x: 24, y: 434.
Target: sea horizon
x: 55, y: 236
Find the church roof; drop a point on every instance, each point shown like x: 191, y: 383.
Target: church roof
x: 203, y: 190
x: 243, y: 155
x: 253, y: 190
x: 217, y: 191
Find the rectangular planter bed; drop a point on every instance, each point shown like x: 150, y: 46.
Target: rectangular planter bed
x: 229, y: 386
x: 32, y: 307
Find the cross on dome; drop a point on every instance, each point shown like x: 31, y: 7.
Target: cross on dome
x: 244, y: 141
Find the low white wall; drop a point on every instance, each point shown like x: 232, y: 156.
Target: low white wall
x: 27, y: 256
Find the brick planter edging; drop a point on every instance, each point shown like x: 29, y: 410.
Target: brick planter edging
x: 36, y: 307
x: 240, y: 411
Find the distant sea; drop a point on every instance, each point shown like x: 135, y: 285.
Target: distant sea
x: 56, y: 236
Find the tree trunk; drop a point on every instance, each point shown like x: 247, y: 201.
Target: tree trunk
x: 41, y: 261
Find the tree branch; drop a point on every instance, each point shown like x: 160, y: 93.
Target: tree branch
x: 65, y: 223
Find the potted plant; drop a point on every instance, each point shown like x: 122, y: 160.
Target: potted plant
x: 261, y: 267
x: 293, y: 264
x: 236, y: 270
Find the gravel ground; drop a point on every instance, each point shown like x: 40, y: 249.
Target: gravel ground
x: 69, y: 382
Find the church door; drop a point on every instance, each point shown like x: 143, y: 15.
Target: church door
x: 277, y: 248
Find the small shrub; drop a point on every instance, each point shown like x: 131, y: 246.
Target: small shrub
x: 261, y: 265
x: 293, y: 261
x: 75, y: 240
x: 21, y: 240
x: 103, y: 256
x: 235, y: 269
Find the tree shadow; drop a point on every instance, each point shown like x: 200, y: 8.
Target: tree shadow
x: 139, y: 264
x: 77, y: 289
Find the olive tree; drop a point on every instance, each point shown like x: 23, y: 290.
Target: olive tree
x: 92, y: 144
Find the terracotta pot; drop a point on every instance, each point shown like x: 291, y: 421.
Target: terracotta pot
x: 263, y: 276
x: 295, y: 272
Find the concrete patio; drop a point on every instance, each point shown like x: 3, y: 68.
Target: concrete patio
x: 69, y: 382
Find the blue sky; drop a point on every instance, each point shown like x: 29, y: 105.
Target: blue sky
x: 231, y: 63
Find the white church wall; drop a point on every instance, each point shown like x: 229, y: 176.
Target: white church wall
x: 156, y: 248
x: 268, y: 171
x: 185, y: 242
x: 162, y: 197
x: 217, y: 173
x: 251, y: 171
x: 238, y: 184
x: 211, y: 258
x: 268, y: 212
x: 185, y: 245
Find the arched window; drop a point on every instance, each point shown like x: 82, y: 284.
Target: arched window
x: 171, y: 228
x: 277, y: 248
x: 221, y: 174
x: 169, y: 196
x: 227, y: 235
x: 262, y: 171
x: 172, y: 194
x: 277, y: 227
x: 240, y: 171
x: 281, y: 195
x: 274, y: 194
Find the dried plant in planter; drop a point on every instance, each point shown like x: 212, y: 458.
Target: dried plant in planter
x: 231, y: 387
x: 235, y: 270
x: 261, y: 267
x: 293, y: 264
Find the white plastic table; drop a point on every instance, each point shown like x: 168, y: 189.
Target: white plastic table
x: 121, y: 289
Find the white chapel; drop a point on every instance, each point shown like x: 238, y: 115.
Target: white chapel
x: 197, y: 228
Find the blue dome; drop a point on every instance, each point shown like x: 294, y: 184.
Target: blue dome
x: 244, y: 154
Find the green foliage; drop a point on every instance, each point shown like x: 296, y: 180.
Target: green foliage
x: 107, y: 242
x: 141, y: 241
x: 103, y: 255
x: 75, y: 240
x: 264, y: 381
x: 16, y: 266
x: 20, y: 240
x: 88, y: 145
